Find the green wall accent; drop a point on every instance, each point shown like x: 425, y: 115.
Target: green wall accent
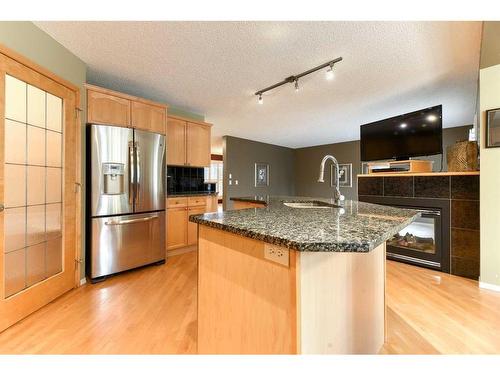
x: 33, y: 43
x: 180, y: 112
x: 28, y: 40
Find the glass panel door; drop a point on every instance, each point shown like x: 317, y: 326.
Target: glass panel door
x: 40, y: 171
x: 32, y: 185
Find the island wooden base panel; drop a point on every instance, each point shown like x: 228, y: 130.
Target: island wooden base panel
x: 153, y: 310
x: 322, y: 303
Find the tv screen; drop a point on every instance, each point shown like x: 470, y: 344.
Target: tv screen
x: 417, y: 133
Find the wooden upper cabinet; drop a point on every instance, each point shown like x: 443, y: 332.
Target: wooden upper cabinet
x: 148, y: 117
x: 104, y: 108
x: 198, y: 144
x: 176, y: 142
x: 115, y: 108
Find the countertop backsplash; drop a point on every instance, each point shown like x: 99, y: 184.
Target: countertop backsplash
x: 186, y: 180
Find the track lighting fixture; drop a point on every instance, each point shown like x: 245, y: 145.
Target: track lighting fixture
x: 295, y: 78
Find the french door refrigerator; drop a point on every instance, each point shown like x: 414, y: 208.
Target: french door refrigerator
x: 126, y: 199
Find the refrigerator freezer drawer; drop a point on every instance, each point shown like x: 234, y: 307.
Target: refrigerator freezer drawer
x: 120, y: 243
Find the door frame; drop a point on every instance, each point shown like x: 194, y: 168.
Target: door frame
x: 33, y: 70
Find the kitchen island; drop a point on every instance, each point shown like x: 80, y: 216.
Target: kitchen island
x: 294, y: 275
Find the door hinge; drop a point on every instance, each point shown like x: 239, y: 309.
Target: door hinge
x: 77, y: 112
x: 77, y: 187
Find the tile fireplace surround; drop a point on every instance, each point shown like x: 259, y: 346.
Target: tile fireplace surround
x: 460, y: 191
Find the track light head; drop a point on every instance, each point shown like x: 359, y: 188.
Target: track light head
x: 260, y: 101
x: 297, y: 85
x: 330, y: 73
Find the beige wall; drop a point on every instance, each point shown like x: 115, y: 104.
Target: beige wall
x: 489, y: 80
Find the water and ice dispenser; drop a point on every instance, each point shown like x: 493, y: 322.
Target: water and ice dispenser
x: 114, y: 175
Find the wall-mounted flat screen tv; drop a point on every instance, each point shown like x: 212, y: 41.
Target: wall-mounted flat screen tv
x: 418, y: 133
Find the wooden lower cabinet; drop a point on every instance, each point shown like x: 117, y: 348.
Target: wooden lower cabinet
x: 180, y: 231
x: 177, y: 227
x: 193, y: 227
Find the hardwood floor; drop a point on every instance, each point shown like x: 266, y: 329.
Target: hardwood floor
x: 148, y: 311
x: 428, y: 313
x: 432, y: 312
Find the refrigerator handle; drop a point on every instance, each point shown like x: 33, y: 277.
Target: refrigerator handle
x: 131, y: 189
x: 138, y: 171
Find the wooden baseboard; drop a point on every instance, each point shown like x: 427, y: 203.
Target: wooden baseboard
x: 181, y: 250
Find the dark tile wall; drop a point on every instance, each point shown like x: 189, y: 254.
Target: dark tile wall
x: 371, y: 186
x: 463, y: 195
x: 432, y: 187
x: 182, y: 180
x: 398, y: 186
x: 465, y: 187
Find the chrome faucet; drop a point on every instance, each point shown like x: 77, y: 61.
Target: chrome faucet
x: 337, y: 197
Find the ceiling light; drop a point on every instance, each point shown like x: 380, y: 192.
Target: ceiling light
x: 330, y: 73
x: 261, y: 101
x: 403, y: 125
x: 295, y: 78
x: 432, y: 118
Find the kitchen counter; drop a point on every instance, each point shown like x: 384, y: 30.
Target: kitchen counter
x: 355, y: 227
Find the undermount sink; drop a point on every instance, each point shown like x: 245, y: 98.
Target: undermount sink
x: 310, y: 204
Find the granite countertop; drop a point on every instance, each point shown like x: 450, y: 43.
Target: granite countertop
x: 192, y: 194
x: 354, y: 227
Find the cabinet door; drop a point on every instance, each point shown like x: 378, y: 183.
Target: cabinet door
x: 107, y: 109
x: 193, y: 227
x: 176, y: 142
x: 148, y: 117
x: 176, y: 228
x: 198, y: 145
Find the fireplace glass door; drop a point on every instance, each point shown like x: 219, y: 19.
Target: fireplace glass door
x: 420, y: 242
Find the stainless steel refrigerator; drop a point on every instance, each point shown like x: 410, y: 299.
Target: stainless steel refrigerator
x: 126, y: 199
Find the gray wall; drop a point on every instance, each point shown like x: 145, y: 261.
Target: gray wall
x: 308, y: 159
x: 240, y: 156
x: 28, y: 40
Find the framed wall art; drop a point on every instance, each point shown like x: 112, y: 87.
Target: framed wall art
x: 261, y: 174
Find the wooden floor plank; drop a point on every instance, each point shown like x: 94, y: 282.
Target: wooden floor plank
x: 153, y: 310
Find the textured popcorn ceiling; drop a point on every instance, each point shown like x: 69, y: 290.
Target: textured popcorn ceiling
x: 213, y: 68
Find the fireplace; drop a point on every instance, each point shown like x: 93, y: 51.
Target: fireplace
x: 425, y: 242
x: 420, y: 242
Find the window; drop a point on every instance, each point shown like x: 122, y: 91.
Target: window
x: 213, y: 174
